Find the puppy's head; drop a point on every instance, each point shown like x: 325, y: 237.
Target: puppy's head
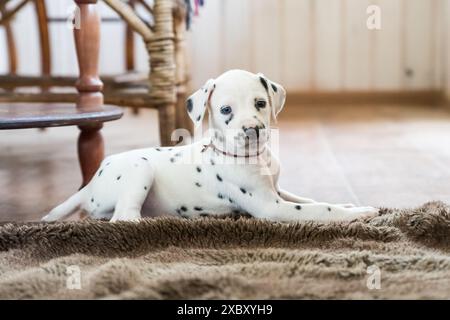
x: 241, y: 105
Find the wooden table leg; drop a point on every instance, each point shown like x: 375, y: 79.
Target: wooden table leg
x: 89, y: 86
x: 90, y: 151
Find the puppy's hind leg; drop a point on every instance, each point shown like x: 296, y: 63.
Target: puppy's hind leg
x: 286, y: 195
x: 291, y: 211
x: 136, y: 185
x: 67, y: 208
x: 273, y: 208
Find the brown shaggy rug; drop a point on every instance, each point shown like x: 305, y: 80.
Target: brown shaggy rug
x: 170, y: 258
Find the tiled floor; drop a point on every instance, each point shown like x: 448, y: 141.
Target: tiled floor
x: 371, y: 155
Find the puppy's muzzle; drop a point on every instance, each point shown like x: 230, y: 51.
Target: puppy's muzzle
x: 252, y: 133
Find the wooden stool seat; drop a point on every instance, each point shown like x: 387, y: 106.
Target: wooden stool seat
x: 40, y: 115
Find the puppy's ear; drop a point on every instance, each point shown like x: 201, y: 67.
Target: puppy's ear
x: 276, y: 93
x: 197, y: 103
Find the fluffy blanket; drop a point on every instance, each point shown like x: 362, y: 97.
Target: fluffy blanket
x: 399, y: 254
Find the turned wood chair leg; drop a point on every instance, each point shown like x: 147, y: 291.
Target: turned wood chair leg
x: 182, y: 117
x: 89, y: 86
x: 166, y: 115
x: 41, y: 12
x: 10, y: 43
x: 162, y: 80
x: 129, y: 43
x: 129, y: 49
x: 44, y: 37
x: 179, y: 27
x: 12, y: 53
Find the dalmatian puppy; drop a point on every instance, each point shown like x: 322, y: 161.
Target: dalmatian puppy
x: 230, y: 169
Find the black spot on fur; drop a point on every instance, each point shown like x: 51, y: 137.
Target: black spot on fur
x: 329, y: 209
x: 274, y: 87
x: 250, y: 194
x: 108, y: 164
x: 277, y: 201
x: 199, y: 117
x: 229, y: 119
x: 236, y: 211
x: 219, y: 177
x: 243, y: 190
x: 279, y: 193
x: 206, y: 90
x: 158, y: 149
x: 230, y: 200
x: 144, y: 158
x: 220, y: 196
x: 198, y: 184
x: 179, y: 211
x: 212, y: 162
x: 100, y: 172
x: 199, y: 169
x: 172, y: 159
x: 189, y: 105
x: 298, y: 207
x: 264, y: 83
x: 92, y: 199
x: 145, y: 188
x: 198, y: 208
x: 177, y: 154
x: 183, y: 208
x: 118, y: 178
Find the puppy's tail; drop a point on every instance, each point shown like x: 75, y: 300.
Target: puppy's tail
x: 67, y: 208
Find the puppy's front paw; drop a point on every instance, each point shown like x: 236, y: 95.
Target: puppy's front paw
x: 47, y: 218
x: 362, y: 212
x: 346, y: 205
x: 128, y: 217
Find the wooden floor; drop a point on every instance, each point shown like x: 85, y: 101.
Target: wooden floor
x: 370, y: 155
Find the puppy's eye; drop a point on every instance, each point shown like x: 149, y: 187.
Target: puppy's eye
x: 260, y: 104
x: 225, y: 110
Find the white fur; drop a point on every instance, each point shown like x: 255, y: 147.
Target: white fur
x: 158, y: 181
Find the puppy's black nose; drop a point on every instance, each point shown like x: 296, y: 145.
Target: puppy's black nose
x: 251, y: 132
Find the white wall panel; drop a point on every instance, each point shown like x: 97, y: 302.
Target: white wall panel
x: 236, y: 49
x: 328, y: 45
x: 306, y: 45
x: 295, y: 44
x: 386, y: 67
x: 266, y: 38
x: 357, y: 46
x: 419, y: 44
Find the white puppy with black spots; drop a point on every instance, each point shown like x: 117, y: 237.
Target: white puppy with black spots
x: 230, y: 170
